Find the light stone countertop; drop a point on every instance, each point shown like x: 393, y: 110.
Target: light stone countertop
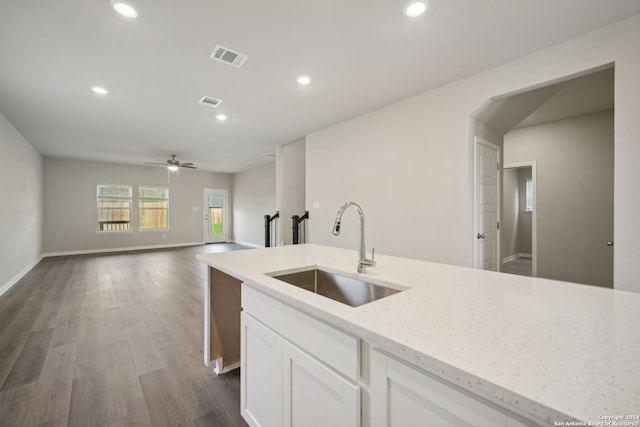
x: 549, y: 349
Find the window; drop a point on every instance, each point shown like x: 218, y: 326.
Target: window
x: 114, y: 207
x: 528, y: 207
x: 154, y: 208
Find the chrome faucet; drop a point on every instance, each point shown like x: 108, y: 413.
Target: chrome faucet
x: 363, y: 262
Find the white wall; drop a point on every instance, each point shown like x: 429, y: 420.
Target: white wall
x: 290, y: 185
x: 524, y: 218
x: 70, y: 205
x: 515, y: 223
x: 21, y: 206
x: 510, y: 208
x: 403, y: 166
x: 408, y: 164
x: 254, y: 196
x: 574, y: 162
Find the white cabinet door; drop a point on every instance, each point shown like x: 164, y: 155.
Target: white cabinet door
x: 402, y: 396
x: 317, y: 396
x: 296, y: 370
x: 282, y: 385
x: 261, y: 374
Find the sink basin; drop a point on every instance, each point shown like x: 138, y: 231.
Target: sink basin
x: 340, y: 288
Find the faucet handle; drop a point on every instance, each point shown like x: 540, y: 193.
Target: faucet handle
x: 373, y: 257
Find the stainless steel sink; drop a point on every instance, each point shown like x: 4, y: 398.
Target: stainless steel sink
x: 340, y: 288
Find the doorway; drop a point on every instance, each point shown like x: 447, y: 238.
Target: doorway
x: 518, y: 237
x: 574, y: 184
x: 566, y: 127
x: 215, y: 215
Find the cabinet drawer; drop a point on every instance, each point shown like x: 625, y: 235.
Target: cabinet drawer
x: 406, y: 397
x: 326, y: 343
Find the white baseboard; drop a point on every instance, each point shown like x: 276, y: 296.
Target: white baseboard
x: 123, y: 249
x: 8, y: 285
x: 4, y: 288
x: 515, y: 256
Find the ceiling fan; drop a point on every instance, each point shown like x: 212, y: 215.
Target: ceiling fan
x: 172, y: 164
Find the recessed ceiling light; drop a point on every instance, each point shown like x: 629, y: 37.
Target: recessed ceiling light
x: 99, y: 90
x: 221, y: 117
x: 125, y: 9
x: 304, y: 80
x: 415, y: 8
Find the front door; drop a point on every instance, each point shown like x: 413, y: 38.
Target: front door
x: 486, y: 205
x: 215, y: 215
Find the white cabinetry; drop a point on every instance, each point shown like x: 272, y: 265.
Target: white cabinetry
x: 298, y: 371
x: 261, y: 363
x: 282, y: 384
x: 404, y: 396
x: 316, y: 395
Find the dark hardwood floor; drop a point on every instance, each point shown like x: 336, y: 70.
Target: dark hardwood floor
x: 112, y: 340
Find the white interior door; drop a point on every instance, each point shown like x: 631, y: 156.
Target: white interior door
x: 215, y: 215
x: 487, y: 164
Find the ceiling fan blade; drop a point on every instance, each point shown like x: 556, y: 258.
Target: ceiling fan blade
x: 172, y: 163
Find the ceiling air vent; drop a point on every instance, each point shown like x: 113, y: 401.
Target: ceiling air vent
x: 210, y: 102
x: 228, y: 56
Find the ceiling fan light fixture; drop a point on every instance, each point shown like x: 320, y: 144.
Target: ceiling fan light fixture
x: 173, y: 168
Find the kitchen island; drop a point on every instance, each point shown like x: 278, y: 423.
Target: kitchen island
x: 543, y: 352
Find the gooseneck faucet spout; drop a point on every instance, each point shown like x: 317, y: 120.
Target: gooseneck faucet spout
x: 363, y: 262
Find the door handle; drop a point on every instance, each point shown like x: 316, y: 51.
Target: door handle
x: 609, y: 243
x: 481, y: 236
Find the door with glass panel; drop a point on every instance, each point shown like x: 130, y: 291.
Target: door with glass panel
x: 215, y: 215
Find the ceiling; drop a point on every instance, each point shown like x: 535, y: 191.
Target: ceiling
x: 578, y: 96
x: 584, y: 95
x: 360, y: 54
